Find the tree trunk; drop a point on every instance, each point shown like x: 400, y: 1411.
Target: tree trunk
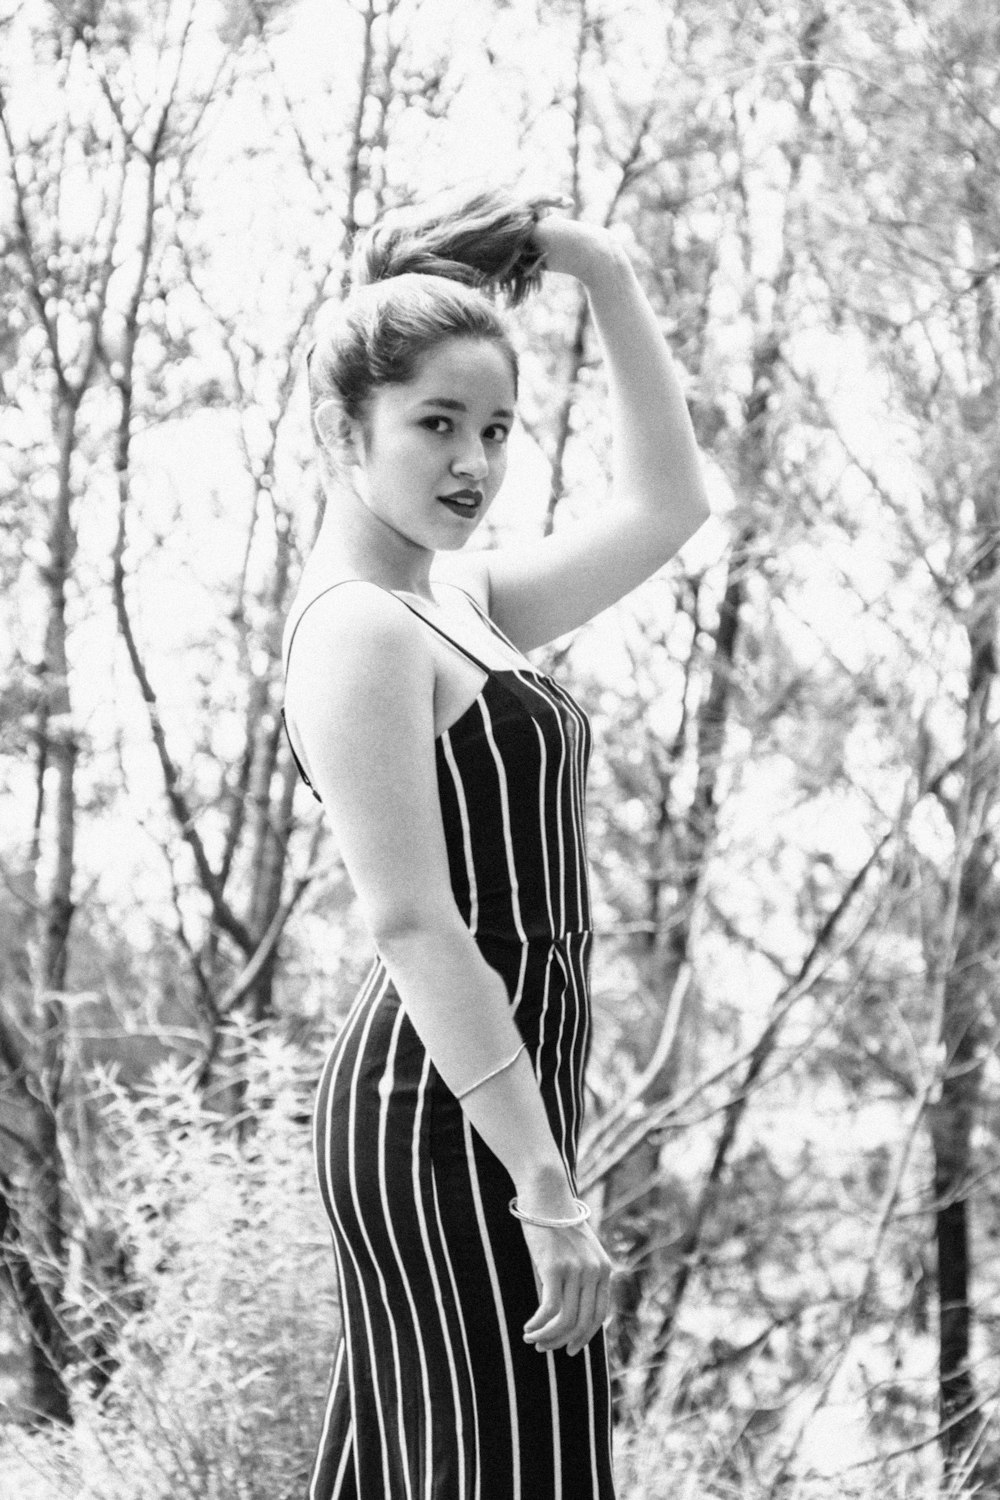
x: 966, y: 1022
x: 48, y: 1399
x: 753, y: 458
x: 965, y: 1030
x: 953, y: 1119
x: 36, y: 1265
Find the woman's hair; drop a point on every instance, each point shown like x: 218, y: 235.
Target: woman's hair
x: 422, y: 275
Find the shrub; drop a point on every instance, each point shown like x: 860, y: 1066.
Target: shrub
x: 217, y: 1308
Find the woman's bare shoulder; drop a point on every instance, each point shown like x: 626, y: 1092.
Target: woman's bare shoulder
x: 348, y: 622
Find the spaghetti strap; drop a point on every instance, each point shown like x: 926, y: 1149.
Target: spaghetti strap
x: 457, y: 645
x: 489, y: 620
x: 470, y: 655
x: 298, y: 764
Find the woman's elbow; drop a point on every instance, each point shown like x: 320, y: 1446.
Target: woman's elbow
x: 398, y: 926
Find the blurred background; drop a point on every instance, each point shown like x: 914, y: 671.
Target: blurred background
x: 792, y: 1136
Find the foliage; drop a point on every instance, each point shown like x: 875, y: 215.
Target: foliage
x: 211, y: 1328
x: 219, y: 1296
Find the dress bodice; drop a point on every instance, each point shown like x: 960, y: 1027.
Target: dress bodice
x: 511, y: 776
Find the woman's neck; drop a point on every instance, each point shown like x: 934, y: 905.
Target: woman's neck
x: 357, y: 544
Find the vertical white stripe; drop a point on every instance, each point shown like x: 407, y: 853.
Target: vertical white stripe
x: 558, y: 1051
x: 328, y: 1416
x: 342, y: 1467
x: 609, y: 1415
x: 557, y: 791
x: 543, y: 823
x: 574, y: 1070
x: 591, y: 1419
x: 568, y: 709
x: 556, y: 1437
x: 583, y: 738
x: 463, y: 812
x: 352, y: 1394
x: 538, y: 683
x: 582, y: 970
x: 465, y: 1345
x: 338, y: 1483
x: 575, y: 713
x: 459, y: 1426
x: 508, y: 1364
x: 515, y: 906
x: 385, y: 1090
x: 515, y: 999
x: 543, y: 1016
x: 375, y: 978
x: 377, y: 993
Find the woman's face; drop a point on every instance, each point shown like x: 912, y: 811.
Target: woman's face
x: 432, y: 453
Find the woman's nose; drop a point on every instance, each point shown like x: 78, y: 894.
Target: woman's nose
x: 472, y: 461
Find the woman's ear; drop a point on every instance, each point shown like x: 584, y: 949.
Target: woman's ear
x: 327, y: 425
x: 344, y: 441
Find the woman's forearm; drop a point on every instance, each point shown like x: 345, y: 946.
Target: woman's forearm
x: 461, y: 1011
x: 654, y: 454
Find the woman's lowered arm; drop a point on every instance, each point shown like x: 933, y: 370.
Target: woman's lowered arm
x: 360, y: 701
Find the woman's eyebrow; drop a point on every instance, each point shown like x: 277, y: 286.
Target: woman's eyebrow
x: 450, y: 404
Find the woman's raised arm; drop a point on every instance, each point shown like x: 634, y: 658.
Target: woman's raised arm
x: 657, y: 500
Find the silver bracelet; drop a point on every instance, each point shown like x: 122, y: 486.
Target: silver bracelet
x: 495, y: 1074
x: 582, y: 1215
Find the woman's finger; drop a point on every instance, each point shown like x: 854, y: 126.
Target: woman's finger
x: 549, y: 1306
x: 572, y: 1274
x: 556, y: 1316
x: 552, y: 1332
x: 586, y: 1323
x: 559, y: 1329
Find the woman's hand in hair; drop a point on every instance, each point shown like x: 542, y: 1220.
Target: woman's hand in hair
x: 575, y: 248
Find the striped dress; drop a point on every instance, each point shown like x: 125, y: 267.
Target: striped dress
x: 435, y: 1395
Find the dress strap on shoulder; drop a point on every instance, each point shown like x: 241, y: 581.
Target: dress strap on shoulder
x: 298, y: 764
x: 488, y: 620
x: 288, y: 652
x: 449, y: 584
x: 457, y: 645
x: 313, y: 598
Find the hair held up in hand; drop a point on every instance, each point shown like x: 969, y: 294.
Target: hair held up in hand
x: 420, y: 276
x: 485, y: 241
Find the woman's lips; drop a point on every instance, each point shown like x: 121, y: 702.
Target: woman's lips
x: 462, y: 502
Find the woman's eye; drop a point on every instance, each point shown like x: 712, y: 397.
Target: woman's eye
x: 439, y: 425
x: 497, y: 434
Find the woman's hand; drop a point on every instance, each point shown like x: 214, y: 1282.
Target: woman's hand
x: 574, y: 1274
x: 577, y: 249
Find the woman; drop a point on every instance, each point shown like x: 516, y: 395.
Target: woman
x: 473, y: 1290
